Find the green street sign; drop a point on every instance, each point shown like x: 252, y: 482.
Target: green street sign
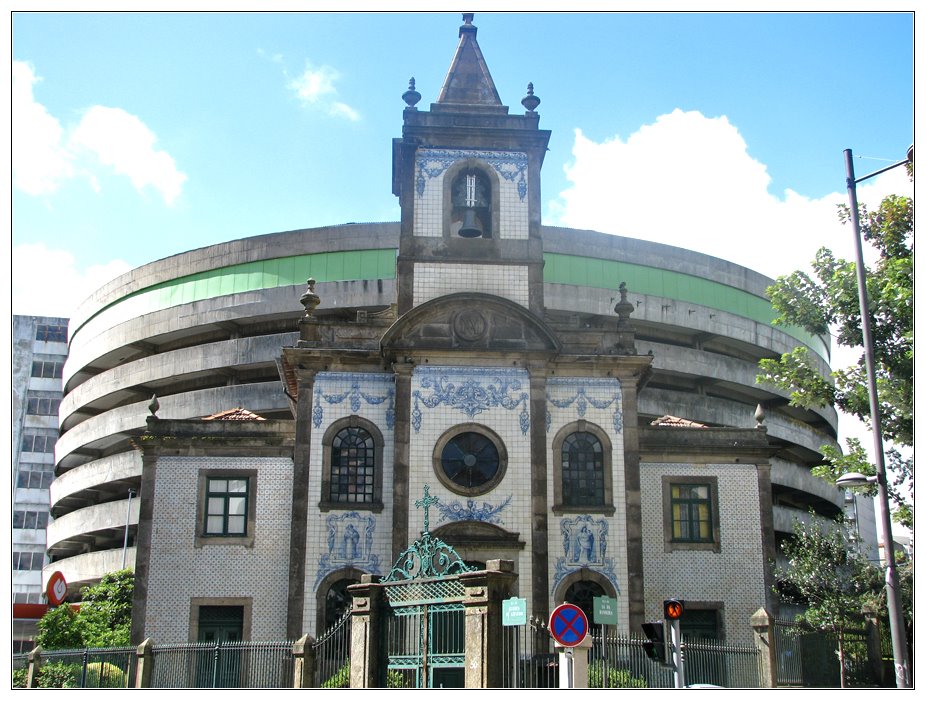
x: 605, y: 612
x: 514, y: 612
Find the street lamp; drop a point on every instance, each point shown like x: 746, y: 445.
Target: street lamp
x: 892, y: 584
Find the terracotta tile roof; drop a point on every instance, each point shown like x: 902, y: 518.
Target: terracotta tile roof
x: 237, y: 414
x: 675, y: 421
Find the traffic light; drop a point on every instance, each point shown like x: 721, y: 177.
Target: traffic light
x: 655, y: 647
x: 673, y: 609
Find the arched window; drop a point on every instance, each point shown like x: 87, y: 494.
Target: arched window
x: 582, y: 464
x: 352, y: 473
x: 333, y: 601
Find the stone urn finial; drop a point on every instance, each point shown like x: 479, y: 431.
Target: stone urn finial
x: 531, y: 101
x: 310, y: 300
x: 154, y: 406
x: 411, y: 96
x: 623, y: 308
x: 760, y: 416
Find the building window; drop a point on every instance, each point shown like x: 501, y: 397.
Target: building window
x: 33, y: 476
x: 690, y: 513
x: 33, y: 443
x: 353, y: 466
x: 28, y: 561
x: 47, y: 368
x: 42, y: 406
x: 30, y: 520
x: 51, y: 333
x: 353, y: 458
x: 470, y: 459
x: 226, y: 507
x: 582, y: 463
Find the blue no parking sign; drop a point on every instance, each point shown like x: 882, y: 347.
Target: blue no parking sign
x: 568, y: 625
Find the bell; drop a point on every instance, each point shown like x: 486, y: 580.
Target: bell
x: 471, y: 228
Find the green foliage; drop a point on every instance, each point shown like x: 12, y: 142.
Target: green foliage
x: 823, y: 573
x: 103, y: 675
x: 340, y: 679
x: 104, y: 619
x: 616, y: 678
x: 52, y: 675
x: 20, y: 678
x: 827, y: 300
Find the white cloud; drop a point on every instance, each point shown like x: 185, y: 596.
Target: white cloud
x: 48, y: 282
x: 123, y: 142
x: 315, y: 88
x: 45, y: 156
x: 687, y: 180
x: 40, y: 160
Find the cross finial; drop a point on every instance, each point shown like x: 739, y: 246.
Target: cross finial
x: 426, y: 503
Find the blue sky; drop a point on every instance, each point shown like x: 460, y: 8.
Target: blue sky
x: 140, y: 135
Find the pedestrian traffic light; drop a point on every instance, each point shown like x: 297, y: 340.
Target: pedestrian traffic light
x: 655, y: 647
x: 673, y: 609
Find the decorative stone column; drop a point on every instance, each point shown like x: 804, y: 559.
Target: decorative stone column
x: 304, y: 663
x: 763, y: 626
x: 366, y: 654
x: 483, y: 632
x: 144, y: 662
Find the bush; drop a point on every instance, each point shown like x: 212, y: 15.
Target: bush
x: 616, y: 678
x: 103, y: 675
x: 59, y: 675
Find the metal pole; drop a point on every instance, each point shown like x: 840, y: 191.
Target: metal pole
x: 128, y: 513
x: 892, y: 584
x: 675, y: 629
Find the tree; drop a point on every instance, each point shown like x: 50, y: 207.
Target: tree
x: 828, y: 299
x: 832, y: 580
x: 104, y: 618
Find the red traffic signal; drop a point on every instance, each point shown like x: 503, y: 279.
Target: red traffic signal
x: 673, y: 609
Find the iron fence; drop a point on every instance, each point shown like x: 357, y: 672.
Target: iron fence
x: 332, y: 655
x: 91, y: 668
x: 808, y: 658
x: 529, y: 660
x: 247, y: 665
x: 620, y: 662
x: 712, y: 662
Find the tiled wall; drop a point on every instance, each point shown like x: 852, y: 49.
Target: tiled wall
x: 434, y: 280
x: 731, y: 575
x: 511, y: 167
x: 498, y: 398
x: 349, y: 537
x: 179, y: 571
x: 598, y: 401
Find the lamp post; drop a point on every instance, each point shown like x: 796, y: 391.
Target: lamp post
x: 892, y: 584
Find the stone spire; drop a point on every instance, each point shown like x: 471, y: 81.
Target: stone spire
x: 468, y: 81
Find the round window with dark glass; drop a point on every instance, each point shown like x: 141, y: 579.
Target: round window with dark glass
x: 470, y: 461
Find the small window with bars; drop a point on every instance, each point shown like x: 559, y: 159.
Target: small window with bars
x: 582, y: 470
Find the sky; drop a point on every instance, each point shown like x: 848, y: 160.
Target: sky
x: 137, y: 136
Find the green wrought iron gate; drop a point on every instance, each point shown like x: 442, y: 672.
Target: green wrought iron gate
x: 424, y: 622
x: 424, y: 645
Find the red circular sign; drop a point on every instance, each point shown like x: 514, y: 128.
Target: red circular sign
x: 57, y: 589
x: 568, y: 625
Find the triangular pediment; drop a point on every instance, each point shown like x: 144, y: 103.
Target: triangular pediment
x: 470, y: 321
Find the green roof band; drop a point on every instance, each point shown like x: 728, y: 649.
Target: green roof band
x: 380, y: 263
x: 596, y: 272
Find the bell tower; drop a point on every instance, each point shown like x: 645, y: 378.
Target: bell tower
x: 467, y: 175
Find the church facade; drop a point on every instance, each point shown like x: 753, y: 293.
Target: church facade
x: 521, y: 419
